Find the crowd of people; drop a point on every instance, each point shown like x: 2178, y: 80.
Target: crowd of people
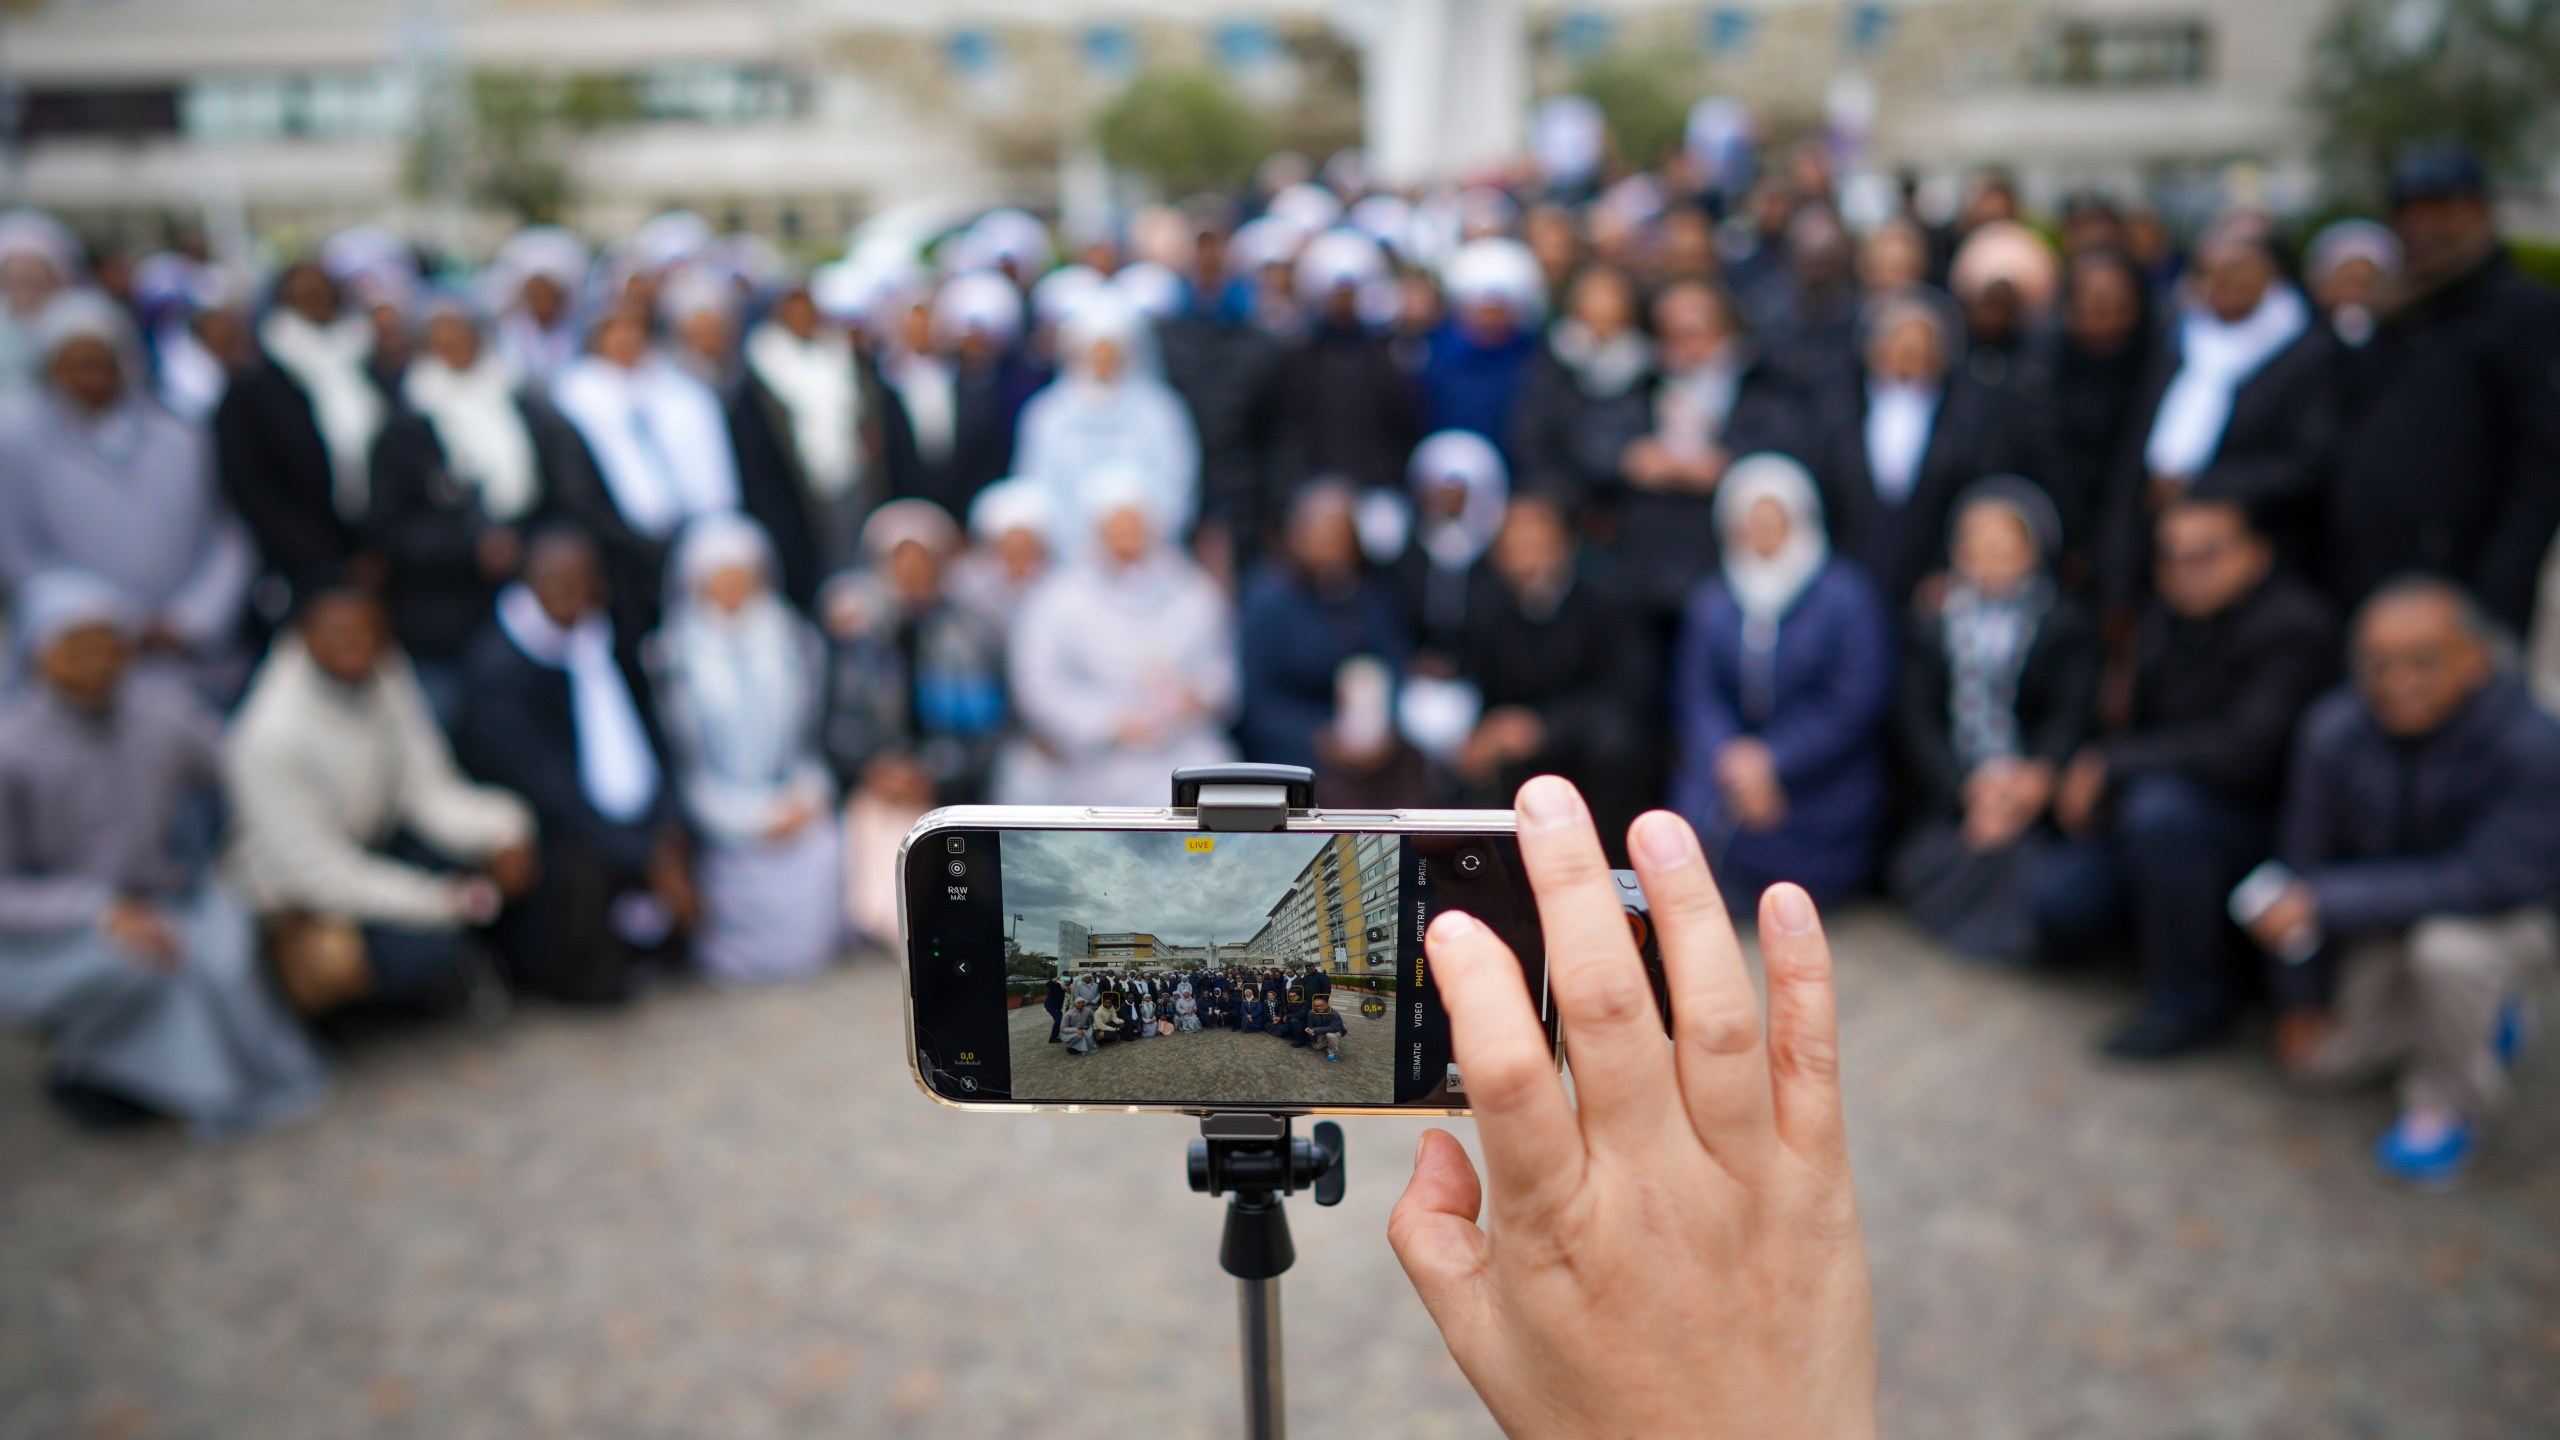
x: 586, y: 615
x: 1091, y: 1009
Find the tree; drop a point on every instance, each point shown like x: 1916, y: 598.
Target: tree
x: 1020, y: 964
x: 1185, y: 129
x: 2485, y: 72
x: 519, y: 126
x: 1641, y: 99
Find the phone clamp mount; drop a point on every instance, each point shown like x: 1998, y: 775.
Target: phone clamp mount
x: 1252, y: 1157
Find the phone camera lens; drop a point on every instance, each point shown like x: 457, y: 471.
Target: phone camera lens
x: 955, y: 844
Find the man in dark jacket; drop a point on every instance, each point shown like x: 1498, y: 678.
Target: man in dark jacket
x: 2422, y: 831
x: 2448, y: 455
x: 1708, y: 401
x: 297, y: 490
x: 2168, y: 815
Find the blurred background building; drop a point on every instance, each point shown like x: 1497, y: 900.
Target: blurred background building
x: 147, y: 120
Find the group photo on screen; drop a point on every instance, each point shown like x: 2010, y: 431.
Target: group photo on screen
x: 1174, y: 967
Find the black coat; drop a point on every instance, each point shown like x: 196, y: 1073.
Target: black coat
x: 2079, y: 408
x: 1977, y: 432
x: 2270, y: 458
x: 2216, y: 700
x: 1564, y: 439
x: 275, y: 467
x: 428, y: 527
x: 1590, y: 671
x: 1228, y: 377
x: 1664, y: 544
x: 985, y: 407
x: 2465, y: 821
x: 813, y: 537
x: 2057, y: 693
x: 1346, y: 407
x: 519, y: 730
x: 2448, y: 447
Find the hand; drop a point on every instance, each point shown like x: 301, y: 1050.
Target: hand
x: 477, y: 900
x: 2297, y: 907
x: 161, y: 638
x: 2083, y: 789
x: 1675, y: 1250
x: 671, y: 881
x: 787, y: 821
x: 498, y: 551
x: 1648, y: 463
x: 1505, y: 734
x: 143, y: 933
x: 2299, y: 1036
x: 1701, y: 473
x: 1747, y: 775
x: 513, y: 870
x: 2002, y: 798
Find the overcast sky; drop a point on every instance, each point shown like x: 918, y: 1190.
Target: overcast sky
x: 1145, y: 880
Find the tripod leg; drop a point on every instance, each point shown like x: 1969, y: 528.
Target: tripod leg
x: 1266, y: 1403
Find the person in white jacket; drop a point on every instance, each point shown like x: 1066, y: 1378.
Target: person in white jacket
x: 366, y: 855
x: 1123, y: 664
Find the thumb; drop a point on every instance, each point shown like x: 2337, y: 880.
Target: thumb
x: 1433, y: 1228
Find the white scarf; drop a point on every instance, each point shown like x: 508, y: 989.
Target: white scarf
x: 328, y: 363
x: 748, y: 688
x: 2215, y: 358
x: 1900, y: 415
x: 814, y: 380
x: 1767, y: 587
x: 486, y: 444
x: 1605, y: 369
x: 659, y: 437
x: 926, y: 384
x: 617, y: 771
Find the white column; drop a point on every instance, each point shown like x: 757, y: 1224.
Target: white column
x: 1445, y: 88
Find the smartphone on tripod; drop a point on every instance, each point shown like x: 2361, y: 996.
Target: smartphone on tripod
x: 1073, y: 958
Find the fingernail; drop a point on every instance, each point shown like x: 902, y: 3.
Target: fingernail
x: 1455, y: 925
x: 1664, y: 840
x: 1792, y: 909
x: 1548, y: 801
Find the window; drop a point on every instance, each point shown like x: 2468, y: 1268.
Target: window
x: 2121, y: 54
x: 333, y: 105
x: 101, y: 111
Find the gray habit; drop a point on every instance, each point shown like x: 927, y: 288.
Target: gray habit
x: 89, y: 803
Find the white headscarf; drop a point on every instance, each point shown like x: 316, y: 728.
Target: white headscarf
x: 981, y: 301
x: 743, y: 671
x: 474, y: 415
x: 328, y: 362
x: 814, y: 380
x: 1470, y: 460
x: 1767, y: 587
x: 2215, y: 358
x: 617, y: 770
x: 659, y: 438
x: 1016, y: 503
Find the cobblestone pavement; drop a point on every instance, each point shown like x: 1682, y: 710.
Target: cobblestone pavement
x: 731, y: 1215
x: 1225, y: 1065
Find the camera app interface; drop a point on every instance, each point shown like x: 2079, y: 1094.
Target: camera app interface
x: 1181, y: 968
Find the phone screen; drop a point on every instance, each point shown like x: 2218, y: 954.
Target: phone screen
x: 1196, y: 970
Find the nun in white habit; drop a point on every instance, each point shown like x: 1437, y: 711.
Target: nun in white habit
x: 1104, y: 413
x: 535, y: 278
x: 139, y: 969
x: 738, y: 676
x: 1123, y: 663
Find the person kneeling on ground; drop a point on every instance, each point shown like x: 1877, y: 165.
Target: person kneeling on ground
x: 1324, y: 1028
x: 1077, y: 1027
x: 140, y: 972
x: 366, y: 855
x: 1257, y: 1016
x: 2422, y: 827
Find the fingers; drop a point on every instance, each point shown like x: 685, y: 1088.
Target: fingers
x: 1804, y: 1027
x: 1433, y: 1227
x: 1622, y: 1071
x: 1532, y: 1145
x: 1715, y: 1014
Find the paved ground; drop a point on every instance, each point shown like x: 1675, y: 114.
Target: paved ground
x: 1228, y: 1066
x: 731, y: 1215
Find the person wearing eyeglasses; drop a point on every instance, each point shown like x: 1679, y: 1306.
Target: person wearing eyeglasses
x: 2166, y: 815
x: 2420, y: 849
